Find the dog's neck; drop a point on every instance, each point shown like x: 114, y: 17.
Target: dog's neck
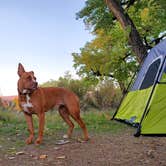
x: 24, y: 97
x: 26, y: 92
x: 26, y: 104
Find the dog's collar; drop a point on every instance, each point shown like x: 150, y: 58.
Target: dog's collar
x: 26, y: 92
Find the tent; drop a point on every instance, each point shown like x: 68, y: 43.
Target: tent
x: 144, y: 106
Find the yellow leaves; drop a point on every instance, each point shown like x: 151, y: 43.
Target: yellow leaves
x: 102, y: 39
x: 15, y: 101
x: 145, y: 14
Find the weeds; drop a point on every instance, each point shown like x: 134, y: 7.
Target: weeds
x: 13, y: 127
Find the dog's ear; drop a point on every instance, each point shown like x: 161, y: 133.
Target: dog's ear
x: 20, y: 69
x: 32, y: 72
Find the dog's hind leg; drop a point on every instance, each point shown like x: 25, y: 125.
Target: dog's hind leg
x: 65, y: 115
x: 78, y: 119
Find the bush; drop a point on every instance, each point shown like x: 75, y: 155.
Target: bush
x: 102, y: 96
x: 106, y: 94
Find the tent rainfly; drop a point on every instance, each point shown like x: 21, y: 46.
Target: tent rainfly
x: 144, y: 106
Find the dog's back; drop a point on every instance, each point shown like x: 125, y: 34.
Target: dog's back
x: 56, y: 97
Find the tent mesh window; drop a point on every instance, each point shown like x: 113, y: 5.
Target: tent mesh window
x: 151, y: 74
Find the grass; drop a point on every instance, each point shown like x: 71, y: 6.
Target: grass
x: 12, y: 122
x: 13, y: 128
x: 100, y: 122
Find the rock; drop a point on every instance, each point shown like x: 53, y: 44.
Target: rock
x: 11, y: 158
x: 43, y: 156
x: 20, y: 153
x: 62, y: 142
x: 61, y: 157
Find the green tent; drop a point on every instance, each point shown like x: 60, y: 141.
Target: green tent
x: 144, y: 106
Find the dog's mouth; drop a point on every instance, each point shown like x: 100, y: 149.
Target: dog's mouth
x: 31, y: 89
x: 34, y: 87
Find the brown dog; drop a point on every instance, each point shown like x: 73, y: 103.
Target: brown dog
x: 37, y: 100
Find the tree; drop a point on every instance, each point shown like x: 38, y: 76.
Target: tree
x: 100, y: 58
x: 117, y: 46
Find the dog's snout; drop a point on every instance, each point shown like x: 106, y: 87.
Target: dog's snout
x: 36, y: 84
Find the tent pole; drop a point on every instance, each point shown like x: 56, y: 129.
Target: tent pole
x: 138, y: 131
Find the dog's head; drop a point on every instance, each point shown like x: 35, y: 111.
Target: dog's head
x: 27, y: 81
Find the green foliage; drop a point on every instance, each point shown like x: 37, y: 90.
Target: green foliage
x: 109, y: 53
x: 106, y: 54
x: 95, y: 13
x: 149, y: 17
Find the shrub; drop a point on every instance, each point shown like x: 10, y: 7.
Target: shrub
x: 101, y: 96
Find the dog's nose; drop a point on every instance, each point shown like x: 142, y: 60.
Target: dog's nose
x: 36, y: 84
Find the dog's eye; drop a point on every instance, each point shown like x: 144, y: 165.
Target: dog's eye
x: 29, y: 78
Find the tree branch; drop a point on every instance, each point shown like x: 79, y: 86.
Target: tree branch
x: 157, y: 40
x: 98, y: 73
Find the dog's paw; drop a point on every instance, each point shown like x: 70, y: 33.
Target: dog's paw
x: 86, y: 139
x: 38, y: 141
x: 29, y: 140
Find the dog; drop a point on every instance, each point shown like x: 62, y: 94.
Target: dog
x: 37, y: 100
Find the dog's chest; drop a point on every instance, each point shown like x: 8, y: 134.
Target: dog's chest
x: 27, y: 105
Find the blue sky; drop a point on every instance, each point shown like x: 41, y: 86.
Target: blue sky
x: 41, y: 34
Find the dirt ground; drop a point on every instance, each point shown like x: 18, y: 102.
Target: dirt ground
x: 102, y: 150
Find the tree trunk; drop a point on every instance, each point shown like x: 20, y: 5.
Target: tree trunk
x: 134, y: 38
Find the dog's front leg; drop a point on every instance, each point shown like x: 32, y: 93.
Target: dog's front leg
x: 41, y: 117
x: 29, y: 121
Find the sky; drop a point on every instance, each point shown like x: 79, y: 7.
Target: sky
x: 40, y: 34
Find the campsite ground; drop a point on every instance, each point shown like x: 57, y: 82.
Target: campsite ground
x: 101, y: 150
x: 106, y: 147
